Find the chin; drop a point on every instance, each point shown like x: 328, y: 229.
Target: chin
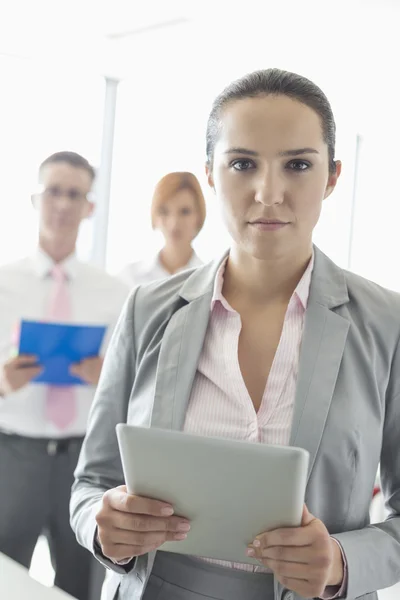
x: 265, y: 251
x: 59, y: 231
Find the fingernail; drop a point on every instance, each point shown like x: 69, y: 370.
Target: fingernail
x: 183, y: 527
x: 180, y: 536
x: 167, y: 512
x: 250, y: 552
x: 257, y: 543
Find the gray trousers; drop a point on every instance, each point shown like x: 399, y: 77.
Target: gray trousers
x: 176, y: 577
x: 36, y: 476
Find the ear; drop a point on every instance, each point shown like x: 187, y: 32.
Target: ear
x: 209, y: 175
x: 90, y: 208
x: 333, y: 179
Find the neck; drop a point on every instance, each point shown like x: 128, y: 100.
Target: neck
x: 259, y: 282
x: 174, y: 258
x: 58, y: 250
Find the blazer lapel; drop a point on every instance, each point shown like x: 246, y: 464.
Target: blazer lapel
x: 323, y: 344
x: 181, y: 347
x: 324, y: 339
x: 180, y: 352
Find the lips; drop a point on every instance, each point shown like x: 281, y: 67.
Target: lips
x: 265, y: 225
x: 268, y: 222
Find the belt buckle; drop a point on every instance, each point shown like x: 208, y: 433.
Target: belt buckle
x: 52, y: 447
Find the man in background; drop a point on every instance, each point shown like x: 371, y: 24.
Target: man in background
x: 41, y: 426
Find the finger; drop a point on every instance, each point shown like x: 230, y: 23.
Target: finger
x: 119, y: 552
x: 80, y: 371
x: 302, y: 554
x: 307, y: 517
x: 292, y: 570
x: 75, y: 369
x: 93, y: 360
x: 124, y: 502
x: 143, y: 523
x: 24, y: 359
x: 31, y: 373
x: 288, y: 536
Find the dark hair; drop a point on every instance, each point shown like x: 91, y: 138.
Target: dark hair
x: 71, y: 158
x: 274, y: 82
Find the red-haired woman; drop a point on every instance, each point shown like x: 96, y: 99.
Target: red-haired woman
x: 178, y: 211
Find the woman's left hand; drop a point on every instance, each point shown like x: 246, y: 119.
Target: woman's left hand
x: 304, y: 559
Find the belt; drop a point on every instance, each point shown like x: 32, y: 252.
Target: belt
x: 61, y: 446
x: 51, y: 446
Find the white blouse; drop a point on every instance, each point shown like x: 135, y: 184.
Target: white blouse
x: 147, y: 271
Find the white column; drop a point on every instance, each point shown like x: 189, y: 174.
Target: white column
x: 354, y: 201
x: 103, y: 180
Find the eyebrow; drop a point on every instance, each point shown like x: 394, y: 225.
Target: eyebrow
x: 295, y: 152
x: 298, y: 151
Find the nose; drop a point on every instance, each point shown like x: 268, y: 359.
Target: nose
x: 173, y: 222
x: 63, y: 202
x: 269, y: 190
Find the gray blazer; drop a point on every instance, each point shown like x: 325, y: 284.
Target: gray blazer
x: 347, y: 409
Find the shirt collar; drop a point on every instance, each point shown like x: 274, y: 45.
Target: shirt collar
x: 302, y: 290
x: 155, y: 264
x: 194, y: 261
x: 218, y: 285
x: 43, y: 264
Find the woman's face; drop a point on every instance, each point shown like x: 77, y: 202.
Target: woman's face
x: 271, y: 174
x: 178, y: 218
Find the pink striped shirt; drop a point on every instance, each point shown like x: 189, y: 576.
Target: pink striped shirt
x: 220, y: 404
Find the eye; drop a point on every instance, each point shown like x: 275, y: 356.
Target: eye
x: 186, y: 211
x: 298, y: 165
x: 53, y: 191
x: 75, y: 194
x: 242, y: 164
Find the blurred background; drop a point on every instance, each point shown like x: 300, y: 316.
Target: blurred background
x: 129, y: 86
x: 74, y: 74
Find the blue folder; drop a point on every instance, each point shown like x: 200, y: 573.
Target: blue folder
x: 58, y: 346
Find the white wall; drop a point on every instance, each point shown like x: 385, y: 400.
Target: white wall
x: 42, y: 110
x: 173, y: 76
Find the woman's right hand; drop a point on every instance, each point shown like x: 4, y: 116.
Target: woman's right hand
x: 128, y: 526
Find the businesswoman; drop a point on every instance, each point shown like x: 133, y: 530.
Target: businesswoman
x: 178, y: 211
x: 272, y: 343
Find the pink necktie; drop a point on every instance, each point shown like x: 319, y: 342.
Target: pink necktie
x: 60, y: 401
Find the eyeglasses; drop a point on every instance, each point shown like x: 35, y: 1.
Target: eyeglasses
x: 54, y: 192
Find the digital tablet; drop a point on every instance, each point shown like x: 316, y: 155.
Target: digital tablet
x: 231, y: 491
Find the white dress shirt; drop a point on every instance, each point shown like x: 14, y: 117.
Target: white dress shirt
x: 25, y: 287
x: 143, y: 271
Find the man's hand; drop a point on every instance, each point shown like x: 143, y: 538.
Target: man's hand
x: 304, y: 559
x: 89, y: 370
x: 17, y: 373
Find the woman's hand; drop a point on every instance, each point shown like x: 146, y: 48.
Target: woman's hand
x: 128, y: 526
x: 304, y: 559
